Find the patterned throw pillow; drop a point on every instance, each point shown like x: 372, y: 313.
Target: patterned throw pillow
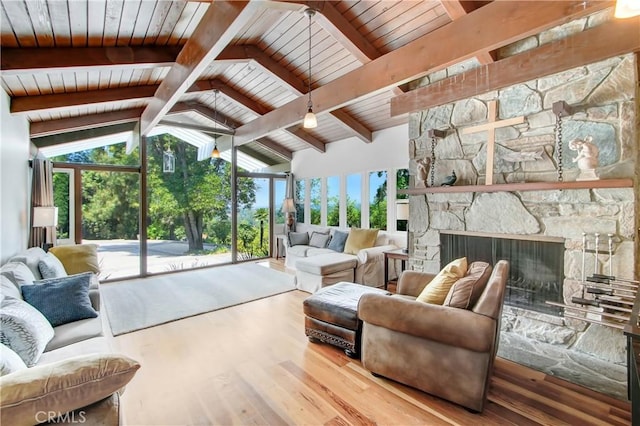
x: 25, y: 330
x: 319, y: 240
x: 62, y: 300
x: 51, y: 267
x: 10, y: 361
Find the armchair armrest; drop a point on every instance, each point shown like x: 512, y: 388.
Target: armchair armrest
x: 411, y: 283
x: 62, y: 386
x: 374, y: 254
x: 443, y: 324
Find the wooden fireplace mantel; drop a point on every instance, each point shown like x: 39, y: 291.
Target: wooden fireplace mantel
x: 528, y: 186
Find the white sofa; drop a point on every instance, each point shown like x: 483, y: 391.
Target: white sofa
x: 369, y: 268
x: 78, y: 353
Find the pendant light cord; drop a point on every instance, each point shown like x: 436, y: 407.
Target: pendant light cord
x: 310, y: 13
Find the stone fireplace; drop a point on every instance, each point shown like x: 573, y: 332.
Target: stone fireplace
x: 605, y: 102
x: 536, y: 266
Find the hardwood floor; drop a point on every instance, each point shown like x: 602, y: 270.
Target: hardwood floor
x: 252, y: 364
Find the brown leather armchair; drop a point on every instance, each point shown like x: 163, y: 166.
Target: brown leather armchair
x: 442, y: 350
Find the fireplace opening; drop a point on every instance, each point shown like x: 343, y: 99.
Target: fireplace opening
x: 536, y: 268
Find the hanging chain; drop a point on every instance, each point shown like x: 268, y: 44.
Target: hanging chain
x: 310, y: 13
x: 432, y: 172
x: 558, y: 130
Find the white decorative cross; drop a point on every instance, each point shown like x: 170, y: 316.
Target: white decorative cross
x: 492, y: 124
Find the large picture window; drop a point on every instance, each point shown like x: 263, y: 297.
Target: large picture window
x: 333, y: 201
x: 300, y: 200
x: 378, y: 200
x: 315, y: 200
x: 354, y: 200
x: 402, y: 182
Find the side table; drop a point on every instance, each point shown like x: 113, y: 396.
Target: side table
x: 279, y: 244
x: 393, y: 254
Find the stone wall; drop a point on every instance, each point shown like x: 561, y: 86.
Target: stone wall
x: 604, y: 98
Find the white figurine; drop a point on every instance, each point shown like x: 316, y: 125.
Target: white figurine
x: 422, y: 172
x: 587, y: 158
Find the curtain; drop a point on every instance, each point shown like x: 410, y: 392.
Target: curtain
x: 41, y: 196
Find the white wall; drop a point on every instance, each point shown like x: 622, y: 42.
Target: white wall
x: 14, y: 180
x: 389, y: 150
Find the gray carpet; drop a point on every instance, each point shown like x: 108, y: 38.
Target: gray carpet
x: 141, y: 303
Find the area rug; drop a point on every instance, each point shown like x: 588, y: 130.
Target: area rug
x: 146, y: 302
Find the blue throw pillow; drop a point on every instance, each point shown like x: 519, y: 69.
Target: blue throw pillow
x: 61, y: 300
x: 338, y: 240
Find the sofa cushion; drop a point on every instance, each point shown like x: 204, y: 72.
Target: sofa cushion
x: 9, y: 289
x: 30, y: 257
x: 18, y: 273
x: 338, y: 241
x: 10, y: 361
x: 319, y: 240
x: 78, y: 258
x: 297, y: 239
x: 436, y: 291
x: 24, y: 329
x: 62, y: 300
x: 63, y: 386
x: 326, y: 264
x: 51, y: 267
x: 314, y: 251
x: 467, y: 290
x: 74, y: 333
x: 359, y: 239
x: 299, y: 251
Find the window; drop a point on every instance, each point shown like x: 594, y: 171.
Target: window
x: 280, y: 187
x: 354, y: 200
x: 300, y: 200
x: 333, y: 201
x: 315, y: 200
x: 253, y: 220
x: 402, y: 182
x: 378, y: 200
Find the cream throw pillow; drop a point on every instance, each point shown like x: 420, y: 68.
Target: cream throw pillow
x: 62, y: 386
x: 359, y: 239
x: 436, y: 291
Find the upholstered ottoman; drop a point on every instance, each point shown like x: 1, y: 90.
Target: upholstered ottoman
x: 315, y: 272
x: 331, y: 315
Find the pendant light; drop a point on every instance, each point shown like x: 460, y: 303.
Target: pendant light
x: 215, y: 153
x: 310, y: 121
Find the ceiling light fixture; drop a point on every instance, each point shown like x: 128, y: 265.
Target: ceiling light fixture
x: 215, y: 153
x: 627, y: 8
x: 310, y: 121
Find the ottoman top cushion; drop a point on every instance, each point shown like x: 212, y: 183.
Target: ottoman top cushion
x: 338, y: 304
x: 325, y: 264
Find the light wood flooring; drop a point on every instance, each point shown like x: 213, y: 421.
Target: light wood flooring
x: 252, y: 364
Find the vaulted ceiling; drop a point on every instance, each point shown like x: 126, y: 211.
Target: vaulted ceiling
x: 78, y: 68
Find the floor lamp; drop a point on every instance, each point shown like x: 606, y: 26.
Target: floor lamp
x: 45, y: 217
x: 402, y: 213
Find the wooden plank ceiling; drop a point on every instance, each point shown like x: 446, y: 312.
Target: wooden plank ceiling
x: 74, y: 65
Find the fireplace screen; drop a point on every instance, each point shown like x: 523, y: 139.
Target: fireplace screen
x: 536, y: 268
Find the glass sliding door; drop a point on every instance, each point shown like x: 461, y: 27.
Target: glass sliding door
x: 253, y: 218
x: 63, y: 199
x: 110, y: 219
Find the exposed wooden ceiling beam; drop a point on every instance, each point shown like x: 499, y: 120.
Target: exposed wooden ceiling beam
x: 80, y: 135
x: 23, y: 104
x: 220, y: 23
x: 25, y: 60
x: 457, y: 9
x: 71, y: 124
x: 510, y: 21
x: 207, y: 112
x: 596, y: 44
x: 257, y: 155
x: 289, y: 80
x: 299, y: 133
x: 204, y: 129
